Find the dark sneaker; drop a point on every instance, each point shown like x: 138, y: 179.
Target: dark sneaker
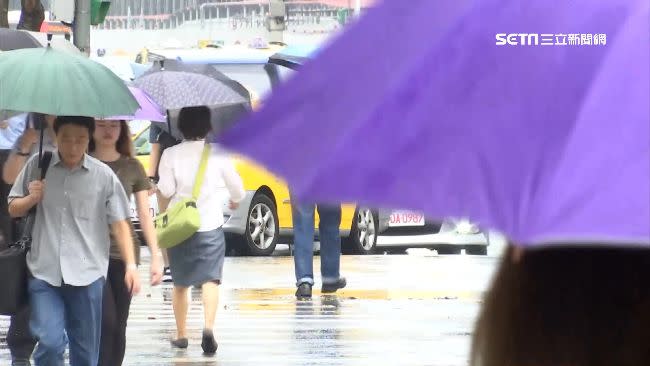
x: 167, y: 275
x: 179, y: 343
x: 20, y: 362
x: 208, y: 343
x: 303, y: 292
x: 329, y: 288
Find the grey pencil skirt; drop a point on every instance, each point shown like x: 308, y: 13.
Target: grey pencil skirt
x: 198, y: 259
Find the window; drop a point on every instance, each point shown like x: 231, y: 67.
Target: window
x: 141, y: 143
x: 252, y: 76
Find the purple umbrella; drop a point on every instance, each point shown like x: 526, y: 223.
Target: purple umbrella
x: 547, y: 143
x: 149, y: 110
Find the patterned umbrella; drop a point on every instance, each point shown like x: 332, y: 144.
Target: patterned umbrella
x: 178, y: 89
x: 203, y: 69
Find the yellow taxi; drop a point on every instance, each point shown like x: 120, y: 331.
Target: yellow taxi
x: 264, y: 218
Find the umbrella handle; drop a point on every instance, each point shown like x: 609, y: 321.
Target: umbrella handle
x: 169, y: 121
x: 40, y: 147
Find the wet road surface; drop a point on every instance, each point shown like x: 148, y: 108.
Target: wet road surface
x: 397, y: 310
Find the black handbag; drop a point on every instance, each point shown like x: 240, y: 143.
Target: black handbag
x: 13, y: 264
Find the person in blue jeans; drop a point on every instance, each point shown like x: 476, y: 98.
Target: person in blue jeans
x: 330, y: 247
x: 77, y: 201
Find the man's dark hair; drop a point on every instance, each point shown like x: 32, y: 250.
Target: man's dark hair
x: 194, y: 122
x: 87, y: 122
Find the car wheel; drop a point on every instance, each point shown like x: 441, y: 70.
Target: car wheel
x: 363, y: 236
x: 476, y: 250
x: 396, y: 251
x: 262, y: 227
x: 448, y: 250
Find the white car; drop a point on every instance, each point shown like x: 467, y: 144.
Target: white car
x: 408, y: 229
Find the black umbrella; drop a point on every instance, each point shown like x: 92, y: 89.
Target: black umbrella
x: 11, y: 39
x: 295, y: 56
x: 289, y: 61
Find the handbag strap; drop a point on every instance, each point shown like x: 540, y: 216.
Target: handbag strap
x: 44, y: 165
x: 200, y: 175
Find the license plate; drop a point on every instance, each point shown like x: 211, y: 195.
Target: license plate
x: 153, y: 207
x: 406, y: 218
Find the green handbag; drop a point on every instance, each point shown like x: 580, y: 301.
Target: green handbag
x: 182, y: 220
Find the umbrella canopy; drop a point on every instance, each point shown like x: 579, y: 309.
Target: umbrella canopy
x: 222, y: 116
x: 178, y: 89
x: 294, y: 56
x: 11, y: 39
x: 544, y: 142
x: 48, y: 81
x: 149, y: 110
x: 203, y: 69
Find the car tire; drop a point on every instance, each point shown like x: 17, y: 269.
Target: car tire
x: 363, y: 236
x: 448, y: 250
x: 262, y: 227
x: 476, y: 250
x: 396, y: 251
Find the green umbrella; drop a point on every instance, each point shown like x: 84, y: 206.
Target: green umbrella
x: 53, y: 82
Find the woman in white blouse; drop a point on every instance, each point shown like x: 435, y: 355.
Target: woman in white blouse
x: 198, y: 261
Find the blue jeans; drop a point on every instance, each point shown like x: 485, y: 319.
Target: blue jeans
x: 62, y: 313
x: 330, y: 242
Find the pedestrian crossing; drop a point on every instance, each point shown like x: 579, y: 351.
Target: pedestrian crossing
x: 268, y: 326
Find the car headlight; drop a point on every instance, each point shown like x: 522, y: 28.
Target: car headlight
x: 466, y: 227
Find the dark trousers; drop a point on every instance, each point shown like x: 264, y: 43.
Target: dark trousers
x: 115, y: 313
x: 19, y: 339
x: 5, y: 220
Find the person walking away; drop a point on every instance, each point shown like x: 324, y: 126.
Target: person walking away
x: 330, y: 247
x: 198, y: 261
x: 160, y: 140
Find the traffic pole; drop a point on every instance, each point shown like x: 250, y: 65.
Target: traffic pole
x: 81, y: 26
